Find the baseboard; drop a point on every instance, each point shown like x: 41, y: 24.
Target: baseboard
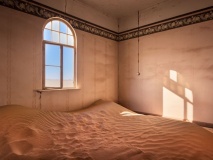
x: 202, y: 124
x: 147, y: 113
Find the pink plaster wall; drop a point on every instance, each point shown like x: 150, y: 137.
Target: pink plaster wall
x: 21, y: 66
x: 189, y: 52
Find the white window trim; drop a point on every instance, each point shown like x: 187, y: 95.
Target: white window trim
x: 43, y: 57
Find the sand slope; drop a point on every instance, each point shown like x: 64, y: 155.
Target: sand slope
x: 104, y: 131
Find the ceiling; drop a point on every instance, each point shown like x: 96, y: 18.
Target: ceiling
x: 121, y: 8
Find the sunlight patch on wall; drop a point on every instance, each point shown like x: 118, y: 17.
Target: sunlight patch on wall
x: 189, y: 111
x: 177, y: 98
x: 173, y: 105
x: 173, y: 75
x: 189, y: 94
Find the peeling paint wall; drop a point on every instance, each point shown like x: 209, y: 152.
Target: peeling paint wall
x: 186, y: 51
x: 21, y: 66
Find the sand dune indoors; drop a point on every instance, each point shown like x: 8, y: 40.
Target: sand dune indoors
x: 104, y: 131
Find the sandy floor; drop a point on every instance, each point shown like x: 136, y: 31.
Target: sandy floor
x: 105, y: 131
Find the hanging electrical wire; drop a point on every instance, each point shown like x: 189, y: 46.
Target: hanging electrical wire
x: 138, y: 47
x: 65, y: 6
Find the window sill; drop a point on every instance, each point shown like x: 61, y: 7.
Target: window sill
x: 52, y: 90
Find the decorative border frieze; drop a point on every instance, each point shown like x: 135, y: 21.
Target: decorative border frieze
x: 42, y: 11
x: 172, y: 23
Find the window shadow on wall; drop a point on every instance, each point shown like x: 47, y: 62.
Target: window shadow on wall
x: 177, y: 97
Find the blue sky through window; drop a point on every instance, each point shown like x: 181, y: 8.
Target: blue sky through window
x: 52, y: 55
x: 63, y: 27
x: 47, y: 35
x: 68, y: 60
x: 52, y: 63
x: 55, y: 25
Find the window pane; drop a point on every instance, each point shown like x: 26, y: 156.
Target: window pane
x: 69, y: 31
x: 63, y: 27
x: 47, y: 35
x: 55, y: 36
x: 48, y: 26
x: 52, y: 76
x: 52, y: 55
x: 70, y: 40
x: 68, y: 68
x: 55, y: 25
x: 63, y: 38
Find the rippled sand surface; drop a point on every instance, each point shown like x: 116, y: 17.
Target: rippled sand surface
x: 104, y: 131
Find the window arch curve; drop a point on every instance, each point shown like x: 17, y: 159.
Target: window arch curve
x: 59, y: 50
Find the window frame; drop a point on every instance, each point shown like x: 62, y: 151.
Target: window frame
x: 61, y: 45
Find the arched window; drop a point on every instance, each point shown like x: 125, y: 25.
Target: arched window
x: 59, y: 48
